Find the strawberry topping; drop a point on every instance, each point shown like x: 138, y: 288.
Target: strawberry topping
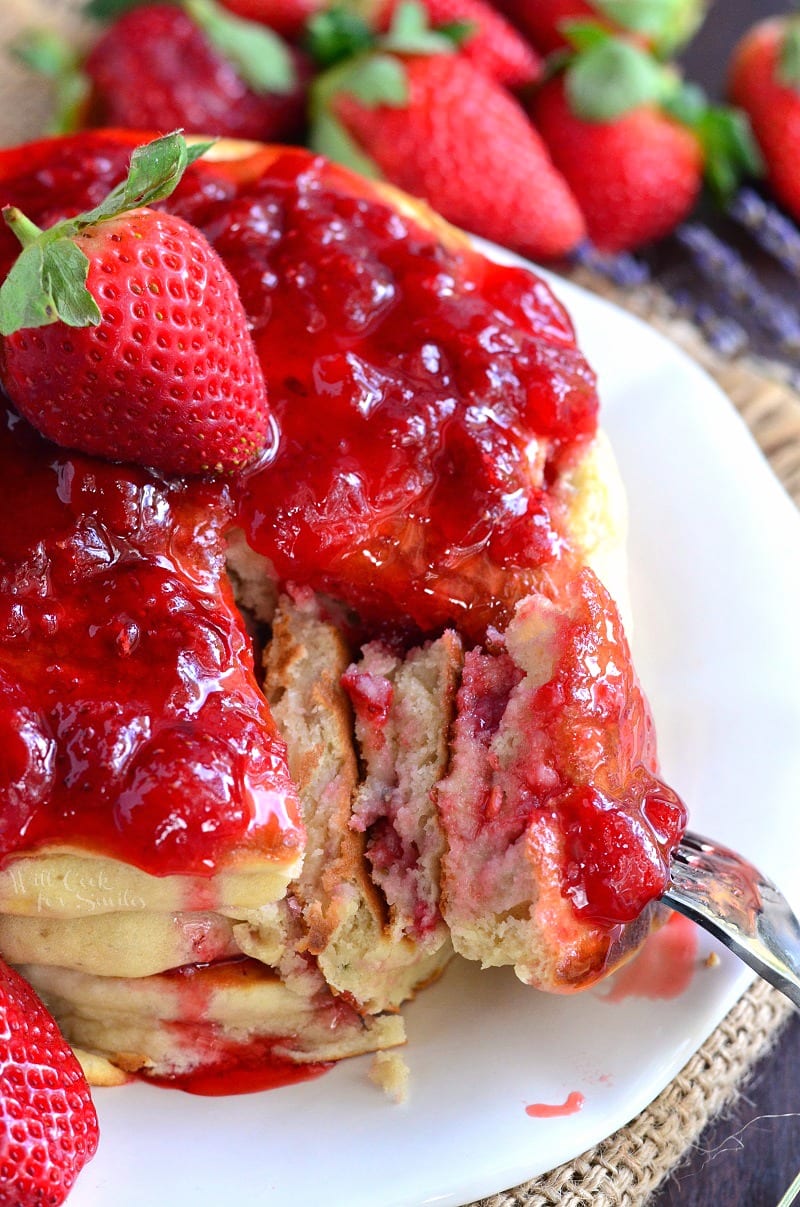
x: 174, y: 760
x: 453, y: 386
x: 422, y: 423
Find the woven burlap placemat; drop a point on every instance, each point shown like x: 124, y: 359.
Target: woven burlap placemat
x: 626, y: 1168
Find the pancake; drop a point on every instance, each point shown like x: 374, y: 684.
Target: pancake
x: 253, y: 832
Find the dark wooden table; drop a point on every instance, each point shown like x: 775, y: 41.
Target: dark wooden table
x: 749, y: 1157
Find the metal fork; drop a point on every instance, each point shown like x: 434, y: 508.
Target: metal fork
x: 730, y: 898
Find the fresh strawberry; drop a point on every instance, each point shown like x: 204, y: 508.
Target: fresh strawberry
x: 765, y: 82
x: 635, y: 178
x: 125, y: 335
x: 438, y: 127
x: 540, y: 20
x: 489, y: 41
x: 48, y: 1124
x: 633, y: 142
x: 286, y: 17
x: 189, y: 64
x: 661, y: 25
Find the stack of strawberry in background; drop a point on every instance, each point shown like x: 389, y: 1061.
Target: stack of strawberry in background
x: 446, y: 98
x: 557, y: 128
x: 450, y: 99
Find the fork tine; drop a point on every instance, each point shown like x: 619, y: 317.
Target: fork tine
x: 729, y: 897
x: 696, y: 842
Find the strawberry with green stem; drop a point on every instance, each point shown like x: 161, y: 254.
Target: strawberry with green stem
x: 188, y: 64
x: 407, y: 108
x: 765, y: 82
x: 634, y: 141
x: 489, y: 41
x: 663, y: 26
x: 286, y: 17
x: 124, y: 334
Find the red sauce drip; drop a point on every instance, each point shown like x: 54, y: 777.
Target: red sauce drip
x: 238, y: 1075
x: 232, y: 1067
x: 620, y: 820
x: 544, y: 1110
x: 130, y: 720
x: 665, y: 966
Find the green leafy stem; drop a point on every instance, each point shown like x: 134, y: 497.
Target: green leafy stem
x: 47, y: 282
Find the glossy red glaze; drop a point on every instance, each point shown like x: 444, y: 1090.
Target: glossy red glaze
x: 245, y: 1071
x: 130, y: 720
x: 619, y: 819
x: 426, y: 399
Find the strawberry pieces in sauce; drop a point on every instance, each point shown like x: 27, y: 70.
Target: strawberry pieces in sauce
x: 425, y: 400
x: 619, y: 819
x: 130, y: 718
x: 619, y: 849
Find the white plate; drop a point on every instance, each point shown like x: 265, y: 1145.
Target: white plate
x: 715, y: 557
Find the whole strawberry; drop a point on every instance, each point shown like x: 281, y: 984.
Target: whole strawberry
x: 661, y: 25
x: 765, y: 82
x: 425, y: 118
x: 195, y: 67
x: 48, y: 1124
x: 488, y: 41
x: 635, y: 178
x: 633, y: 142
x: 541, y: 20
x: 286, y: 17
x: 124, y: 334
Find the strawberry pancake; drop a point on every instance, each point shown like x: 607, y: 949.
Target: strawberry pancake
x: 444, y: 744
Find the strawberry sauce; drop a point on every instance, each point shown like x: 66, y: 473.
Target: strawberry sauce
x: 130, y: 720
x: 426, y: 399
x: 244, y: 1066
x: 249, y: 1071
x: 663, y: 969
